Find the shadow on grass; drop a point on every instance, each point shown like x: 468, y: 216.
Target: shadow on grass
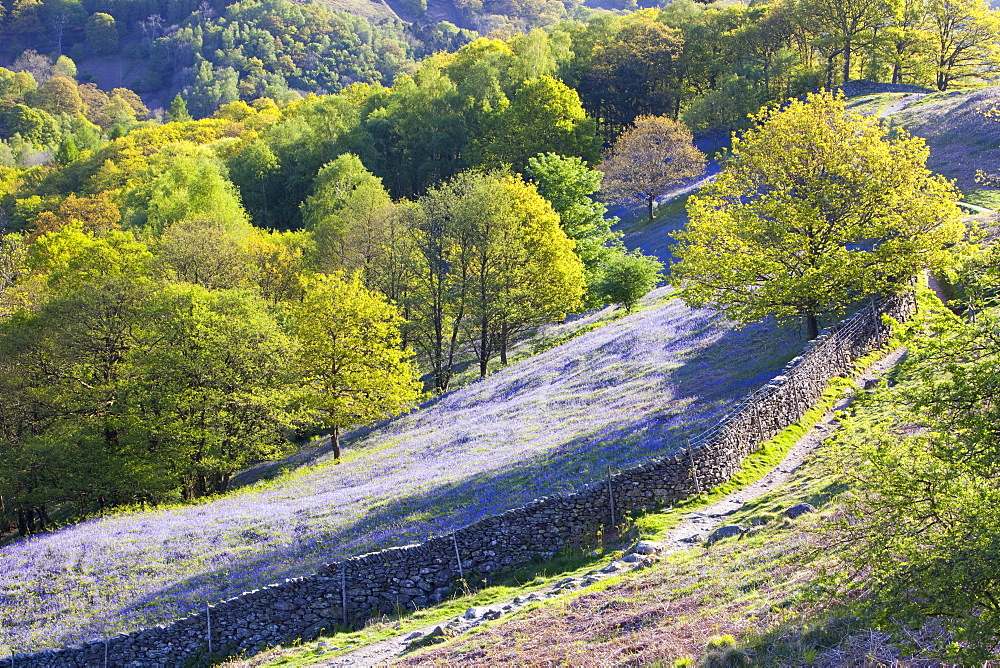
x: 446, y: 507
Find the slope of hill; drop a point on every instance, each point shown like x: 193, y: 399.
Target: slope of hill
x: 615, y: 396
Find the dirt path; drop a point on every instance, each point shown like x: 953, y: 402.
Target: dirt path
x: 702, y: 523
x: 901, y: 103
x: 699, y: 524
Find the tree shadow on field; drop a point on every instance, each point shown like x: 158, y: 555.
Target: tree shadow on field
x: 710, y: 381
x: 737, y: 363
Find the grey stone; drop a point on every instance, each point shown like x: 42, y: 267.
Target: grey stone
x: 799, y: 509
x: 648, y: 547
x: 724, y: 532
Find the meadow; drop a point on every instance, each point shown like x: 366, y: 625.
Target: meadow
x: 615, y: 396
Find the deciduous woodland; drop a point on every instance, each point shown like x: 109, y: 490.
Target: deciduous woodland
x: 226, y: 229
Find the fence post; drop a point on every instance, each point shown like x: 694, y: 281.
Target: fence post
x: 458, y: 557
x: 611, y: 498
x: 694, y: 469
x: 343, y: 591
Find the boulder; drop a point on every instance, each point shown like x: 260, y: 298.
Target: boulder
x: 727, y: 531
x: 799, y: 509
x: 648, y: 547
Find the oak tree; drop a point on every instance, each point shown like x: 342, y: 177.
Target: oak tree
x: 651, y: 156
x: 815, y: 209
x: 352, y: 367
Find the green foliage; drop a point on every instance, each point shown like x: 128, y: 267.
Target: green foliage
x: 724, y: 652
x: 352, y: 366
x: 347, y: 206
x: 214, y: 377
x: 102, y: 33
x: 923, y: 527
x: 625, y: 278
x: 187, y: 183
x: 67, y: 151
x: 633, y: 73
x: 569, y: 185
x: 491, y: 260
x: 815, y: 209
x: 544, y: 115
x: 178, y: 111
x: 32, y: 125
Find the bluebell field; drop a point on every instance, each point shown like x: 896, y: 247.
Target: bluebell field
x: 618, y: 395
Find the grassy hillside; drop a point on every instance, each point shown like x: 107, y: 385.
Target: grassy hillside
x: 615, y: 396
x: 764, y: 589
x: 961, y: 138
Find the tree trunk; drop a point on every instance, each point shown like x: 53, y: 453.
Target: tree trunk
x: 484, y: 343
x: 335, y: 442
x: 504, y: 335
x: 812, y: 326
x: 847, y: 61
x: 651, y: 201
x: 22, y: 523
x: 43, y: 518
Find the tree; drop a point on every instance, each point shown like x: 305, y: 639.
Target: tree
x: 965, y: 38
x: 653, y: 155
x: 59, y: 95
x: 569, y: 186
x: 102, y: 33
x: 15, y: 86
x: 490, y: 260
x: 843, y: 22
x: 633, y: 74
x: 67, y: 151
x: 347, y: 199
x: 32, y: 62
x: 67, y: 366
x: 521, y: 266
x: 34, y: 125
x: 922, y: 525
x: 213, y: 384
x: 189, y: 182
x: 352, y: 367
x: 625, y: 278
x: 178, y: 111
x: 203, y: 252
x: 815, y: 209
x: 544, y: 116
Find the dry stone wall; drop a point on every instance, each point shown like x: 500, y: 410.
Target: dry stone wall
x: 414, y: 576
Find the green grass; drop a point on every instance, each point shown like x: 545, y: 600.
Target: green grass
x: 522, y: 581
x: 873, y: 104
x: 985, y: 197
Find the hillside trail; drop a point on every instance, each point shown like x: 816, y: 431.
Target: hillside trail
x: 700, y: 524
x: 901, y: 103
